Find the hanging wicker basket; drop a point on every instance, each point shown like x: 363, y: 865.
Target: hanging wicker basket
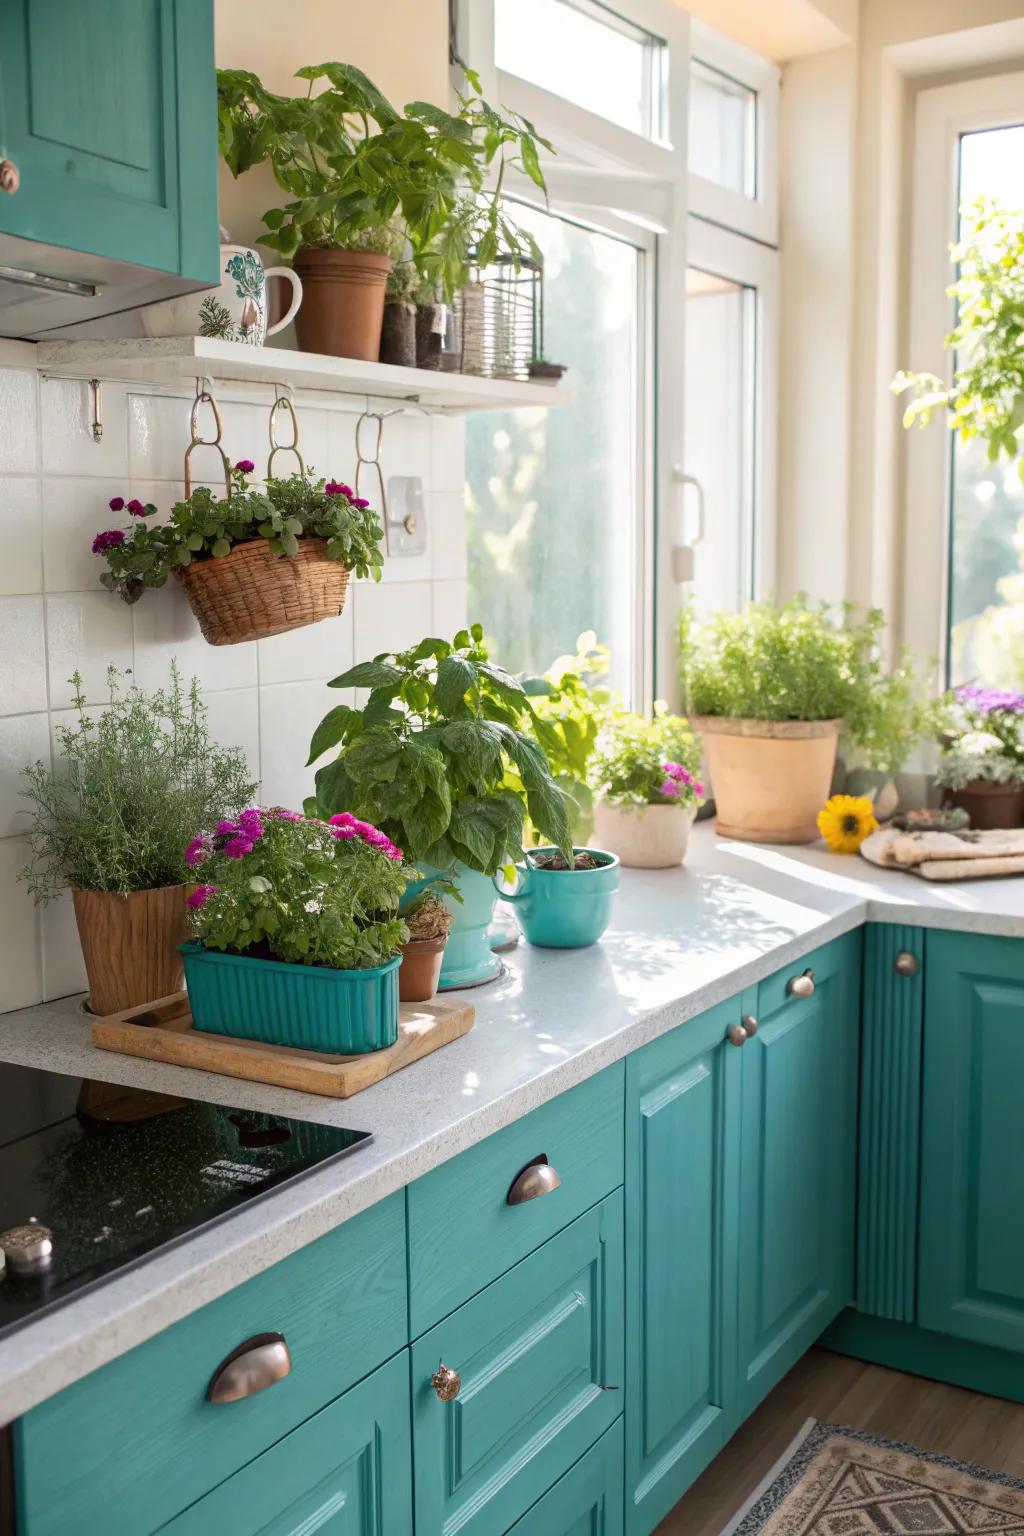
x: 252, y: 593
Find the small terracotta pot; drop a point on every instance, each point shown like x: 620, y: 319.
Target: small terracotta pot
x: 398, y: 336
x: 130, y: 944
x: 647, y: 837
x: 343, y: 302
x: 420, y: 970
x: 989, y: 806
x: 770, y: 778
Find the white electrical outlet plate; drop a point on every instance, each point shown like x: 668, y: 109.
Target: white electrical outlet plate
x: 406, y: 526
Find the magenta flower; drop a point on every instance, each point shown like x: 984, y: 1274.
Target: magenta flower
x: 334, y: 488
x: 116, y: 503
x: 108, y: 540
x: 342, y: 819
x: 670, y: 789
x: 237, y: 847
x: 698, y: 788
x: 225, y: 828
x: 344, y: 834
x: 136, y: 508
x: 200, y: 896
x: 280, y: 814
x: 196, y: 852
x: 359, y: 501
x: 245, y: 466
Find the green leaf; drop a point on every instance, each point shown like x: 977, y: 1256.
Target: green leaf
x: 374, y: 755
x: 368, y: 674
x: 549, y: 814
x: 476, y: 747
x: 333, y: 788
x: 508, y: 686
x: 221, y: 547
x: 330, y: 731
x: 455, y: 675
x: 289, y: 543
x: 260, y: 884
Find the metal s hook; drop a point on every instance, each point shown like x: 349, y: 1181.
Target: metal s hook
x: 284, y: 399
x: 373, y: 459
x: 205, y: 396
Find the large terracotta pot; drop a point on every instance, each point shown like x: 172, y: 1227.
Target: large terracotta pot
x: 649, y: 837
x: 989, y: 806
x: 343, y: 302
x: 130, y: 944
x: 769, y: 778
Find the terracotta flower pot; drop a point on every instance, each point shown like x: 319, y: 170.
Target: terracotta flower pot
x: 130, y: 944
x: 648, y: 837
x: 343, y: 302
x: 989, y: 805
x: 770, y: 778
x: 420, y: 970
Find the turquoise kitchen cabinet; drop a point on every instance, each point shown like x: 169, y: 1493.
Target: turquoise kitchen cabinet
x: 682, y: 1194
x: 539, y: 1363
x: 346, y: 1472
x: 971, y: 1248
x: 587, y: 1501
x: 798, y: 1168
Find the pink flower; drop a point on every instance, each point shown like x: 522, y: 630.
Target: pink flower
x: 116, y: 503
x: 670, y: 789
x: 341, y: 819
x: 225, y: 828
x: 105, y: 541
x: 237, y: 847
x: 698, y: 788
x: 200, y: 896
x: 245, y: 466
x: 394, y: 852
x: 344, y: 834
x: 196, y: 852
x: 136, y: 508
x: 280, y: 814
x: 334, y: 488
x: 359, y: 501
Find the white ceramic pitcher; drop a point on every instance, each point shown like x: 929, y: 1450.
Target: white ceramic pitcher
x: 235, y: 311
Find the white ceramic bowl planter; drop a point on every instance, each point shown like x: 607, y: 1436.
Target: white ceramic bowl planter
x: 644, y: 836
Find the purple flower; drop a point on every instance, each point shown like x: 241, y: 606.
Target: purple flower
x: 116, y: 503
x: 280, y: 814
x: 136, y: 508
x: 196, y: 852
x: 988, y: 701
x: 245, y: 466
x: 344, y: 834
x: 200, y: 896
x: 108, y: 540
x: 669, y: 789
x: 359, y: 501
x: 225, y: 828
x: 237, y: 847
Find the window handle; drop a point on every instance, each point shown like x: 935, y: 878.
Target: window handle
x: 681, y: 477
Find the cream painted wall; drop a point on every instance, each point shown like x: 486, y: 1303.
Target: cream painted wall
x: 401, y: 44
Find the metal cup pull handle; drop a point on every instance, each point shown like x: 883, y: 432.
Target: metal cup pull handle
x: 536, y: 1179
x: 252, y: 1367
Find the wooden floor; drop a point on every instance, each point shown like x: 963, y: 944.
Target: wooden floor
x: 832, y: 1388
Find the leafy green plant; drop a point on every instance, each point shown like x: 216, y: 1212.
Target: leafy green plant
x: 568, y: 705
x: 791, y: 661
x: 642, y: 761
x: 986, y: 397
x: 977, y: 756
x: 354, y: 165
x: 132, y: 784
x: 207, y: 526
x: 279, y: 886
x: 428, y: 756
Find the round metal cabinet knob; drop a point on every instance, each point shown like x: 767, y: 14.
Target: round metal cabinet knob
x: 736, y: 1034
x: 446, y: 1383
x: 252, y: 1367
x: 749, y: 1024
x: 531, y: 1182
x: 906, y: 963
x: 28, y: 1249
x: 801, y: 986
x: 10, y: 176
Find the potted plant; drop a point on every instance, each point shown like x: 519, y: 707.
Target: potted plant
x: 356, y: 170
x: 133, y: 782
x: 562, y: 903
x: 297, y: 937
x: 770, y: 689
x: 569, y: 701
x: 981, y: 765
x: 429, y: 923
x: 252, y: 563
x: 645, y: 776
x: 398, y: 333
x: 427, y: 758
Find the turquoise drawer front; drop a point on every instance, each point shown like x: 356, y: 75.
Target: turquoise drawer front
x: 540, y: 1356
x: 346, y: 1472
x: 462, y: 1231
x: 587, y: 1501
x: 825, y: 962
x: 127, y: 1448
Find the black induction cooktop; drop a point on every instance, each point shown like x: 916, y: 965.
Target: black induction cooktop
x: 96, y: 1176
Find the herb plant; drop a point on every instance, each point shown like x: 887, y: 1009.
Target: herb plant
x: 133, y: 783
x: 354, y: 167
x: 568, y: 705
x: 792, y: 661
x: 441, y: 756
x: 642, y: 762
x: 207, y: 526
x: 279, y: 886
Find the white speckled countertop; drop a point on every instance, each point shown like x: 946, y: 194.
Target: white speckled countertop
x: 681, y: 940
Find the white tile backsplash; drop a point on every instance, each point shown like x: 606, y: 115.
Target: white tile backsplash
x: 266, y: 698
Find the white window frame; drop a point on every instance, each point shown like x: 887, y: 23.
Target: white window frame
x: 756, y: 216
x: 942, y: 115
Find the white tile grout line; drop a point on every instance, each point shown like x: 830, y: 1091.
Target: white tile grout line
x: 769, y: 1478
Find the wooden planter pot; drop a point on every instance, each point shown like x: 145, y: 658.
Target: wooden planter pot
x: 252, y: 593
x: 343, y: 296
x: 130, y: 944
x: 770, y: 778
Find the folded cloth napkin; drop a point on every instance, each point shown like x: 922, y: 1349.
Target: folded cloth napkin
x: 947, y: 855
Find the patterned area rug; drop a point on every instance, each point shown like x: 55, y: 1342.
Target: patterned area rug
x: 842, y: 1482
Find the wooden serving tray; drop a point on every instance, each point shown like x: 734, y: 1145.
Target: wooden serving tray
x: 163, y: 1031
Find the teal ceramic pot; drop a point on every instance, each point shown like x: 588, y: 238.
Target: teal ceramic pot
x: 564, y: 908
x: 468, y: 957
x: 281, y: 1003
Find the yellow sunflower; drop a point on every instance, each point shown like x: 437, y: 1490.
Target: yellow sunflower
x: 846, y: 821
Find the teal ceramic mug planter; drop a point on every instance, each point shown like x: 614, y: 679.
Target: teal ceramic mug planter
x: 564, y: 908
x: 468, y: 957
x: 281, y: 1003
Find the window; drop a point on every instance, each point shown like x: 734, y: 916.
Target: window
x: 732, y: 133
x: 554, y: 495
x: 586, y: 54
x: 722, y: 132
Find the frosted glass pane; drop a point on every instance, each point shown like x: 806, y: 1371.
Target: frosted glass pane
x: 551, y: 495
x: 721, y: 130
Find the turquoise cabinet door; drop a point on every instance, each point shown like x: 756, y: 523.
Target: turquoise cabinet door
x: 797, y: 1177
x: 537, y: 1352
x: 345, y: 1472
x: 682, y: 1191
x: 108, y: 110
x: 971, y: 1259
x: 587, y: 1501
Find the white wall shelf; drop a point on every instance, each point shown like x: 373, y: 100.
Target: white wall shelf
x: 180, y: 359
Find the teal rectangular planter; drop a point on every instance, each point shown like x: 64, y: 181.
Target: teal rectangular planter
x: 281, y: 1003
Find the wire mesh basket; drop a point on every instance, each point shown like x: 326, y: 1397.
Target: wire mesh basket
x: 500, y: 319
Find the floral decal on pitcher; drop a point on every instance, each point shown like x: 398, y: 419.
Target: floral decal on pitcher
x: 247, y: 272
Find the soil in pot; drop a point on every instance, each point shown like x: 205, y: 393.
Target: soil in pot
x: 343, y: 302
x: 130, y: 944
x: 420, y: 970
x: 428, y: 336
x: 398, y: 336
x: 769, y: 778
x: 990, y: 806
x: 555, y: 860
